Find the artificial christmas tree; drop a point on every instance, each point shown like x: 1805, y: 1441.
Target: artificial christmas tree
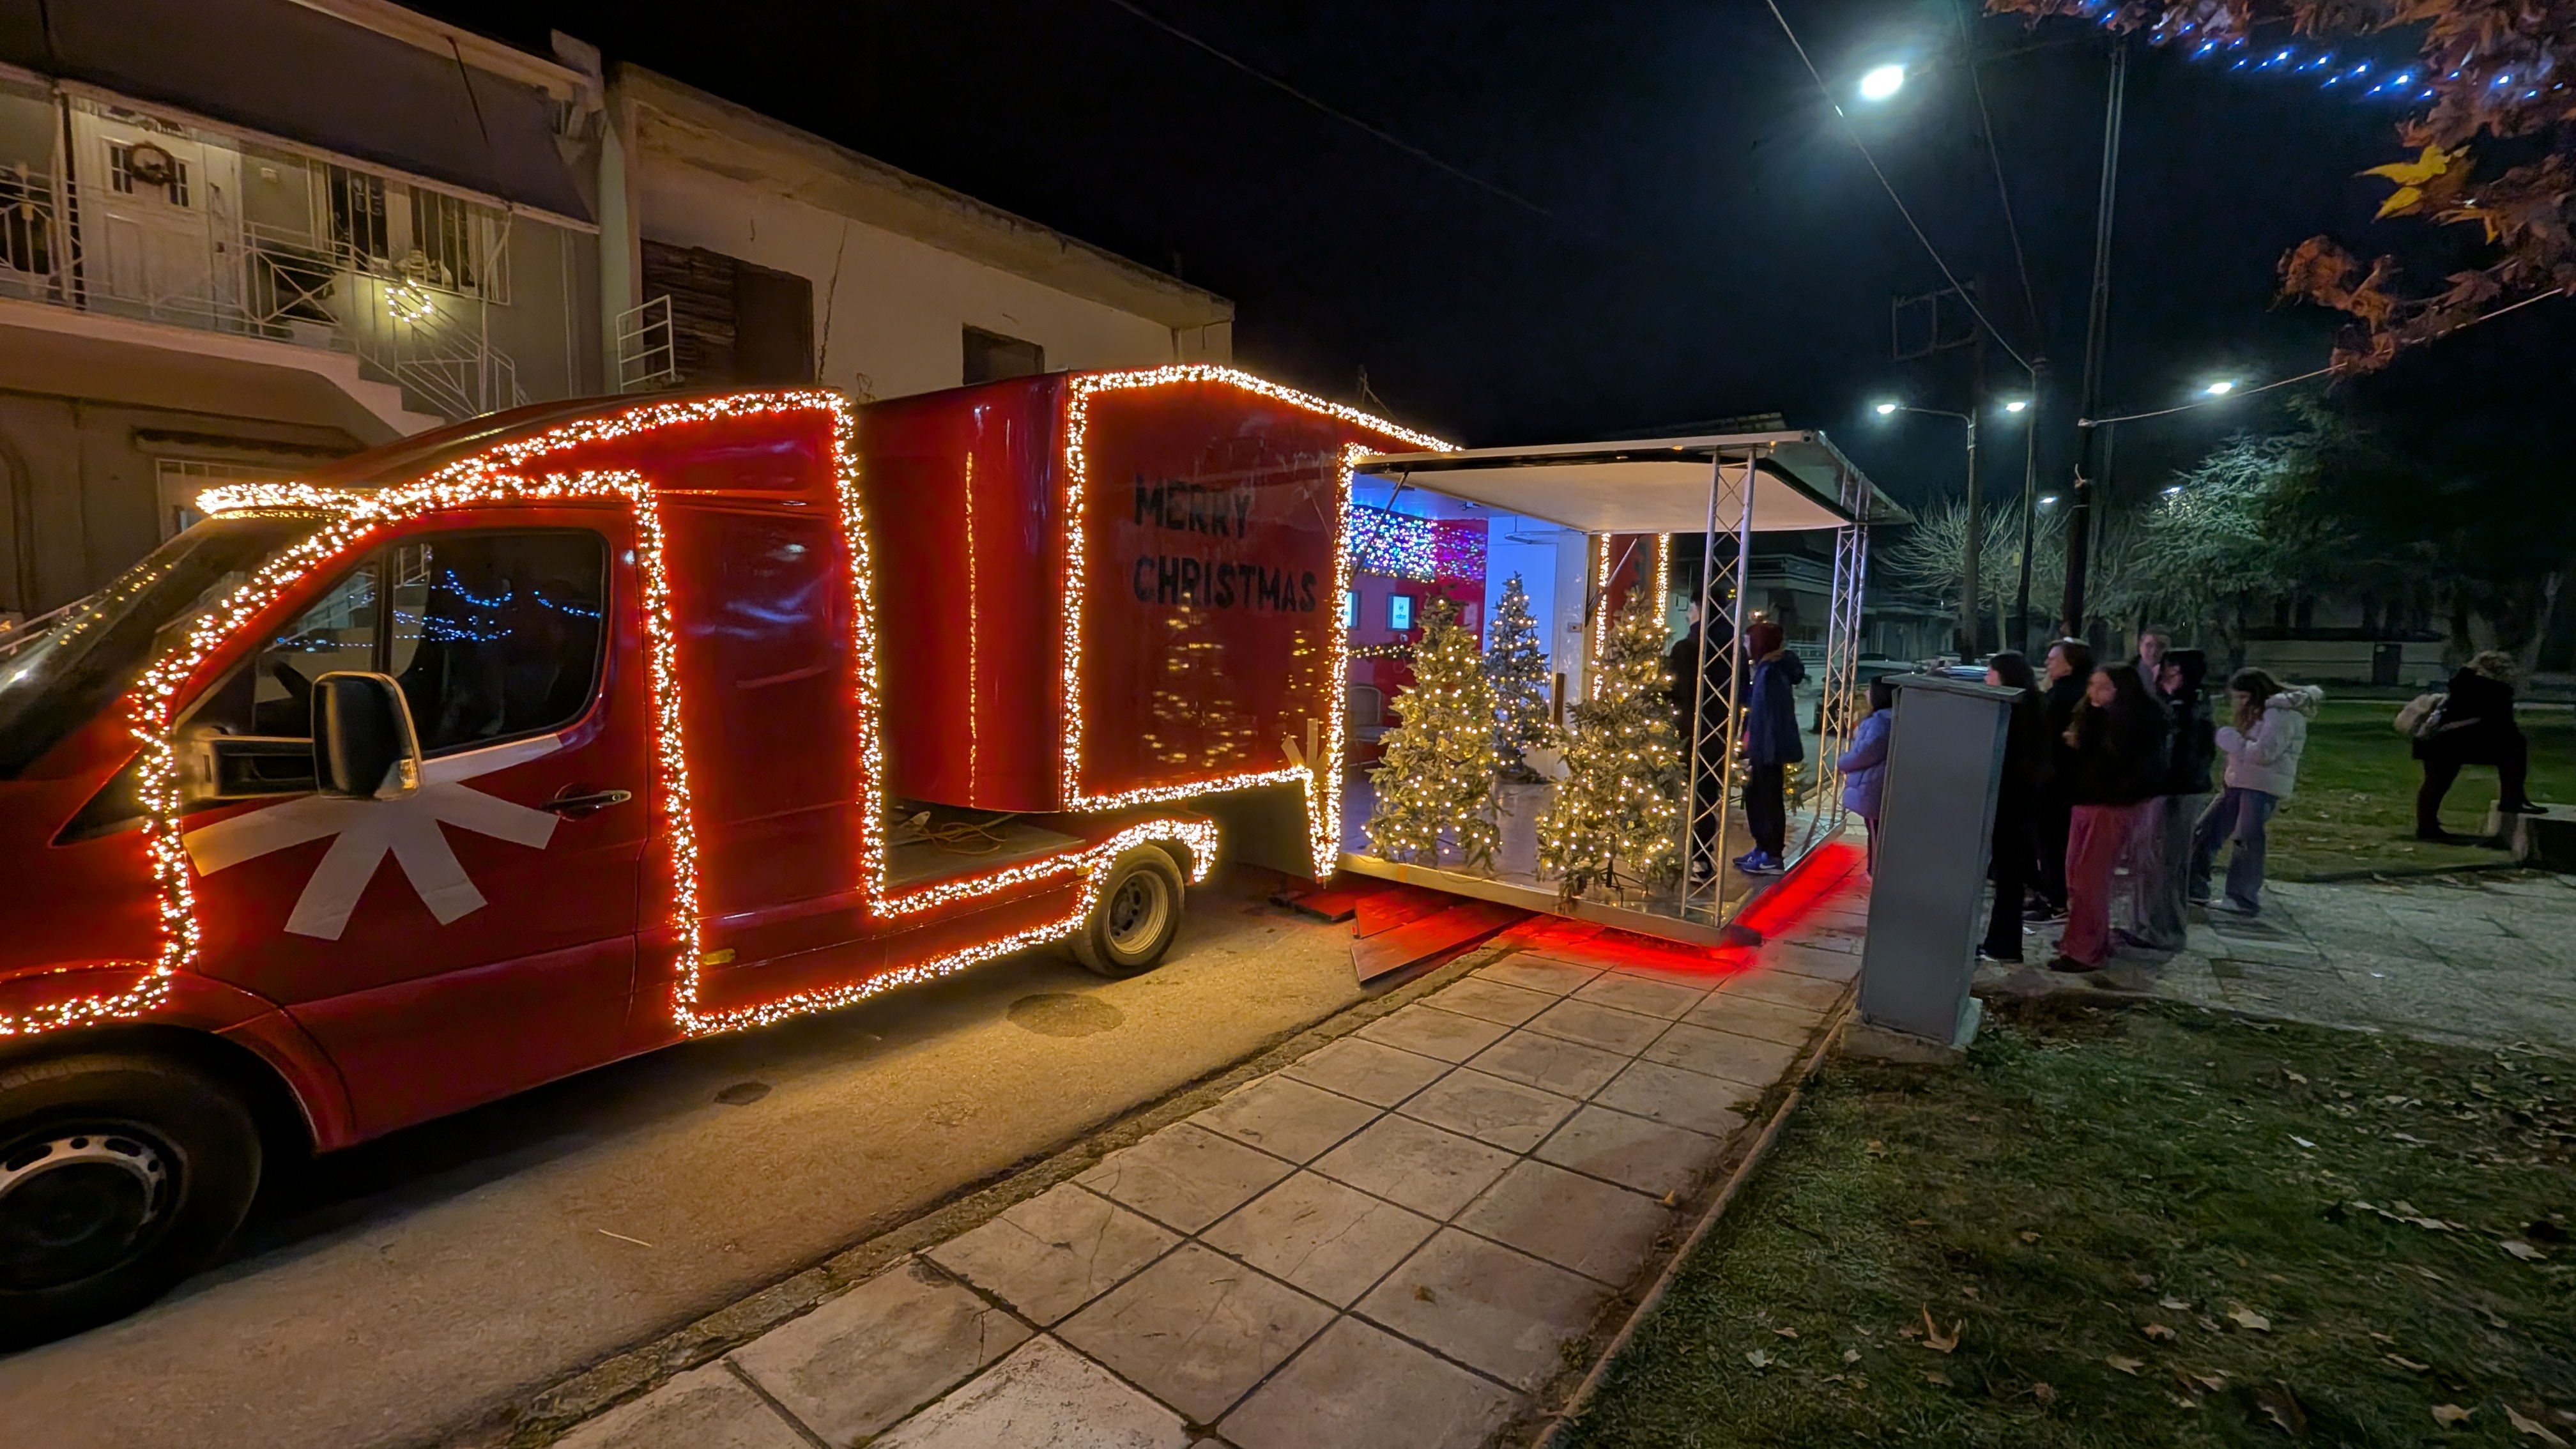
x: 1519, y: 675
x: 1438, y: 777
x: 1617, y: 812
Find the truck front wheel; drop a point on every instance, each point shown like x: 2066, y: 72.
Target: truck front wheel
x: 119, y: 1176
x: 1135, y: 918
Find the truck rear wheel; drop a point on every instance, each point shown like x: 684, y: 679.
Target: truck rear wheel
x: 119, y: 1176
x: 1135, y: 918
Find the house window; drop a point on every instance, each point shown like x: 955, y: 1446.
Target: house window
x: 358, y: 230
x: 990, y: 357
x: 444, y: 250
x: 1399, y: 611
x: 121, y: 178
x: 1350, y: 608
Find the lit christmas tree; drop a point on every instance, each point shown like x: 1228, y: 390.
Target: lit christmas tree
x: 1438, y: 776
x: 1616, y: 814
x: 1519, y: 674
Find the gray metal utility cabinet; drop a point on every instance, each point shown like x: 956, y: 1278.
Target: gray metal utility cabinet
x: 1945, y: 756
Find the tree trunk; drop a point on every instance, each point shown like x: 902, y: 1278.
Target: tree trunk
x: 2529, y: 658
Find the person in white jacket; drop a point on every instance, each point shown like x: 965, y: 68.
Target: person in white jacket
x: 2262, y: 744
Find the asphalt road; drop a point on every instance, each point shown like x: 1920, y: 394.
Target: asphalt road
x: 389, y: 1295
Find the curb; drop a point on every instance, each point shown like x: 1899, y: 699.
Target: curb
x: 1561, y: 1421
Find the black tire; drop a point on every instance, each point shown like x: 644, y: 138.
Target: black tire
x: 1135, y: 918
x: 119, y: 1176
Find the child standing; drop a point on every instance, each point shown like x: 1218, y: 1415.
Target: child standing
x: 2262, y: 742
x: 1864, y: 765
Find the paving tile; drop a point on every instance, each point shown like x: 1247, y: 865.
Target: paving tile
x: 1683, y: 1098
x: 1432, y: 1032
x: 1655, y: 1158
x: 1567, y: 1068
x: 1785, y: 988
x: 1643, y: 995
x: 1491, y: 1001
x: 1420, y: 1166
x: 1599, y: 1231
x: 1286, y: 1117
x: 705, y: 1408
x: 1486, y: 1306
x: 1823, y: 965
x: 1623, y: 1032
x: 867, y: 1358
x: 1196, y: 1330
x: 1044, y: 1396
x: 1751, y: 1016
x: 1747, y: 1059
x: 1360, y: 1387
x: 1490, y: 1109
x: 1333, y: 1241
x: 1052, y: 1254
x: 1184, y: 1176
x: 1535, y: 970
x: 1376, y: 1074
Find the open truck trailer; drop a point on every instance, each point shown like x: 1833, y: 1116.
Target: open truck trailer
x: 560, y: 736
x: 673, y: 717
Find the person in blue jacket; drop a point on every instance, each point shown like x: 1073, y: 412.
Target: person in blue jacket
x: 1771, y: 745
x: 1864, y: 765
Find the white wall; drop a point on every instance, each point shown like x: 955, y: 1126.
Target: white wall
x: 894, y: 323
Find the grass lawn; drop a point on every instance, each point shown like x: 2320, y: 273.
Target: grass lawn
x: 2355, y: 809
x: 2143, y: 1227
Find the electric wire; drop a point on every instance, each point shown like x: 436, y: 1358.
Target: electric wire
x: 1994, y: 154
x: 1345, y: 117
x: 2234, y: 393
x: 1885, y: 185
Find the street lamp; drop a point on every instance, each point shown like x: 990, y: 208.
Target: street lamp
x: 2221, y: 388
x: 1974, y: 542
x: 1882, y: 82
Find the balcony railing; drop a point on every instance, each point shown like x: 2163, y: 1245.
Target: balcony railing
x: 72, y: 246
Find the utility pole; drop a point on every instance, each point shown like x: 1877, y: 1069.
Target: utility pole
x: 2029, y: 506
x: 1971, y: 607
x: 2091, y: 473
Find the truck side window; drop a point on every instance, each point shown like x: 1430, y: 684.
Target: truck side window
x: 496, y: 635
x: 338, y: 632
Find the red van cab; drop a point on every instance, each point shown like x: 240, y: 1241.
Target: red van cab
x: 546, y: 740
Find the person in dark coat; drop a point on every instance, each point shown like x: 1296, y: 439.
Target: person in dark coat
x: 2013, y: 850
x: 2477, y: 728
x: 1771, y: 744
x: 2115, y: 760
x: 1681, y: 666
x: 2160, y: 861
x: 2070, y: 664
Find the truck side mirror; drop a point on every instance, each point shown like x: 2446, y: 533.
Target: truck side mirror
x: 364, y: 747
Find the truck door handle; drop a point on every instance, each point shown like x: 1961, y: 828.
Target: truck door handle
x: 575, y: 806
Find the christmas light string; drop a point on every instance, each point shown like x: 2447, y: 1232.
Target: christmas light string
x: 1323, y: 807
x: 1397, y: 545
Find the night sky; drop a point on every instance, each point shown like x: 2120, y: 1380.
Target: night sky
x: 1705, y: 243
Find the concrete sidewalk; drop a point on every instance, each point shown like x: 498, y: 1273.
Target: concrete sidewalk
x: 2473, y: 958
x: 1401, y: 1239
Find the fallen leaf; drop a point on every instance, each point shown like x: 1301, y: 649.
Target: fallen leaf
x: 2451, y: 1414
x: 2293, y: 1076
x: 1851, y: 1355
x: 2173, y: 1303
x: 2282, y: 1407
x: 2303, y: 1142
x: 1932, y: 1376
x: 1759, y: 1358
x: 2030, y: 1237
x: 2129, y: 1366
x: 2157, y: 1331
x: 2408, y: 1364
x: 1786, y: 1332
x: 2213, y: 1381
x: 2247, y: 1318
x: 2520, y: 1249
x: 1918, y: 1222
x: 2144, y: 1280
x: 2044, y: 1393
x: 1932, y: 1338
x: 1423, y: 1292
x: 1968, y: 1291
x: 1875, y: 1148
x: 2533, y: 1428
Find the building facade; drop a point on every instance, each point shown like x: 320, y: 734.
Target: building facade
x: 241, y: 236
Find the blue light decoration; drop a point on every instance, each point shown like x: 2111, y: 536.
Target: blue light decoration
x: 2383, y: 83
x: 1396, y: 545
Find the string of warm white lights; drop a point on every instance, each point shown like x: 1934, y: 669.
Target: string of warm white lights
x: 1322, y: 803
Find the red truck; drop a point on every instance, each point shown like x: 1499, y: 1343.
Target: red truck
x: 674, y: 717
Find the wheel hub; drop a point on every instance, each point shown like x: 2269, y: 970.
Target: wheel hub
x: 1136, y: 912
x: 75, y: 1204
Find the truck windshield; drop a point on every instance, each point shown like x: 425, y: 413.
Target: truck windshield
x: 58, y: 671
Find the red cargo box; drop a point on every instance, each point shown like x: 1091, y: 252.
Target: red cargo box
x: 1161, y: 546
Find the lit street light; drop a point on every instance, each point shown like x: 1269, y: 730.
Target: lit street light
x: 1885, y: 409
x: 1882, y: 82
x: 2220, y: 388
x: 2017, y: 404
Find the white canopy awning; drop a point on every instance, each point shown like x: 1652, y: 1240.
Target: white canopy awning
x: 1658, y: 485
